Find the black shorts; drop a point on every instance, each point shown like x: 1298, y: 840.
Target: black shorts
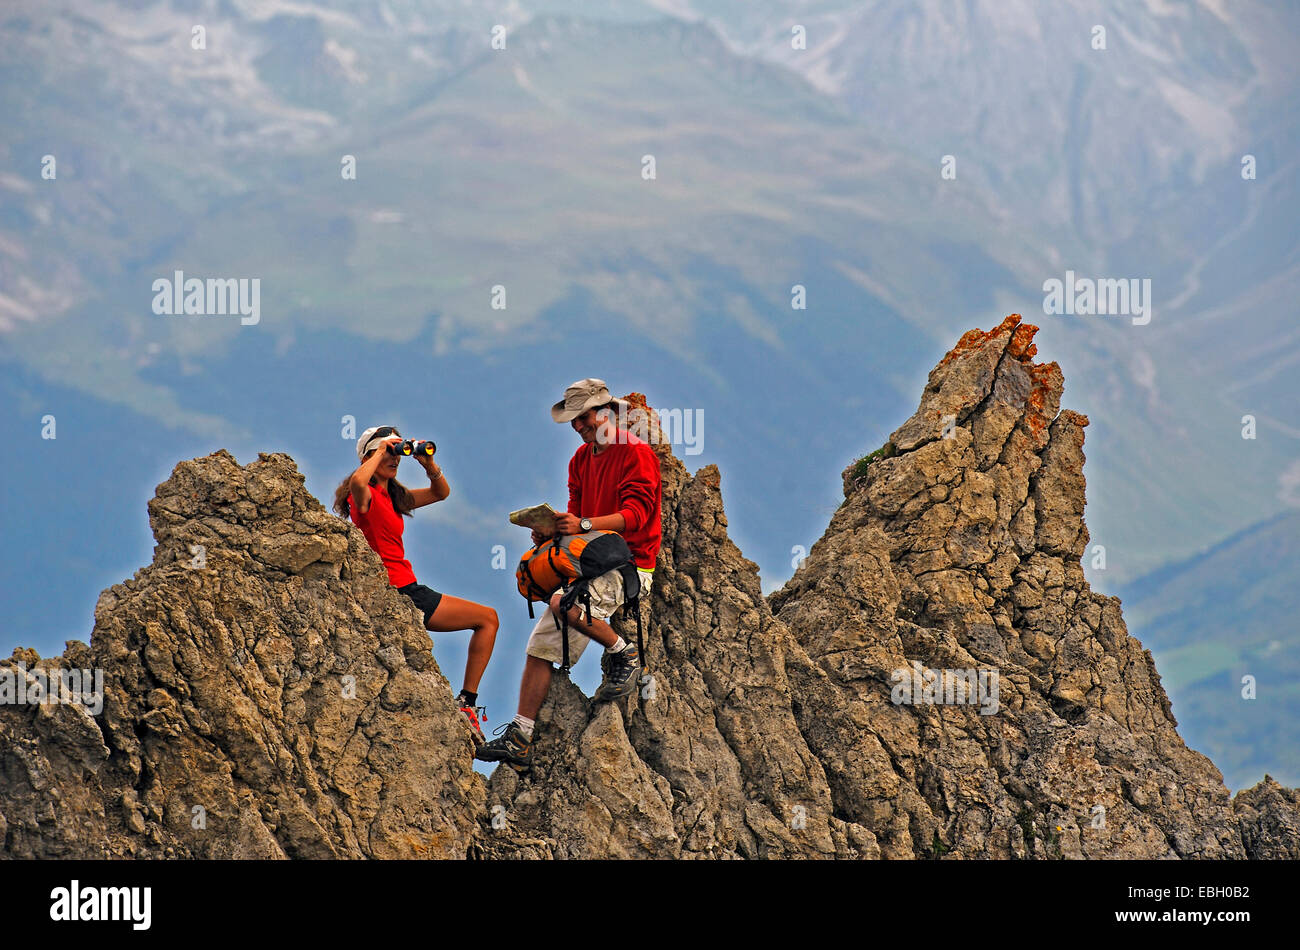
x: 426, y: 598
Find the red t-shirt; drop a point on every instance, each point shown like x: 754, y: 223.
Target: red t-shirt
x: 383, y: 528
x: 623, y: 479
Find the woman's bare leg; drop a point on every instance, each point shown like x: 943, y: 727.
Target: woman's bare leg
x: 454, y: 613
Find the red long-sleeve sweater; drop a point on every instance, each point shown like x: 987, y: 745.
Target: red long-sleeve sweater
x: 623, y: 479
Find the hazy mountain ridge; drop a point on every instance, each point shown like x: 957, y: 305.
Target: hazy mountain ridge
x: 1215, y: 619
x: 521, y: 168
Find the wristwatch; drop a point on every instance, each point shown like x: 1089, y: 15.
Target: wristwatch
x: 585, y: 525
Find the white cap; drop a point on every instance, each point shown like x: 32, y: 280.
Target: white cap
x: 364, y: 444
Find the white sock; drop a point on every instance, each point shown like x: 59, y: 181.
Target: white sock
x: 525, y: 725
x: 619, y: 646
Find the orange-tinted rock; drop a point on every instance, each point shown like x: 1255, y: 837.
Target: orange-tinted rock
x: 974, y: 339
x: 1022, y: 346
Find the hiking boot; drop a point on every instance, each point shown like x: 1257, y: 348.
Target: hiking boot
x: 621, y: 673
x: 512, y: 748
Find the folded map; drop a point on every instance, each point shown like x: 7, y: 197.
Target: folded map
x: 539, y: 518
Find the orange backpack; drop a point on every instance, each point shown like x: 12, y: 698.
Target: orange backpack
x: 572, y: 562
x: 551, y: 565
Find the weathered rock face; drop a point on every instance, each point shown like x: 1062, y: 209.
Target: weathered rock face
x: 765, y: 730
x: 1270, y: 820
x: 959, y: 549
x: 708, y: 760
x: 266, y: 694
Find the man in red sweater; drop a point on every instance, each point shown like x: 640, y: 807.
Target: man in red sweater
x: 614, y: 485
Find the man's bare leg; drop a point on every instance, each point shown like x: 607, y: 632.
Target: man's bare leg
x: 536, y: 682
x: 534, y: 686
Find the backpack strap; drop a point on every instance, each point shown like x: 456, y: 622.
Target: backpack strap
x: 633, y: 604
x: 640, y: 643
x: 563, y: 621
x: 575, y: 591
x: 533, y: 587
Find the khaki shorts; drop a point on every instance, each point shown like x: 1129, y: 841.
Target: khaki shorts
x: 606, y: 591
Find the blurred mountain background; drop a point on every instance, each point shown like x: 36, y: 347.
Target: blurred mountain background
x: 775, y: 166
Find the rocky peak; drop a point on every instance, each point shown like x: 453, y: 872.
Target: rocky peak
x: 266, y: 694
x: 936, y: 679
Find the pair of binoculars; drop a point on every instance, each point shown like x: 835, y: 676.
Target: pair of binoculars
x: 413, y: 447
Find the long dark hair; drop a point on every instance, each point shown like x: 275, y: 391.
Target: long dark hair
x: 403, y: 503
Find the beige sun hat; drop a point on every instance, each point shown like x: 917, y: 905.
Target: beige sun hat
x: 583, y: 395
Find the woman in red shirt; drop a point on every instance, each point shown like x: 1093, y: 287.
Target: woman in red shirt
x: 376, y: 502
